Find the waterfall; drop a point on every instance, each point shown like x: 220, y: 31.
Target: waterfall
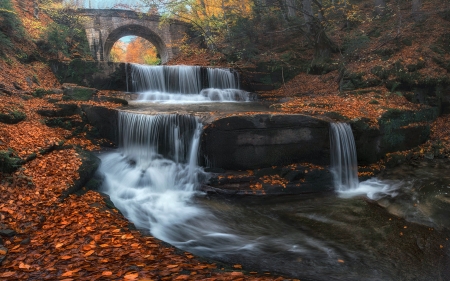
x: 186, y: 84
x: 222, y: 78
x: 146, y: 137
x: 343, y: 157
x: 154, y: 173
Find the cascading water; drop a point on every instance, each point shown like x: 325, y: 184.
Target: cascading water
x: 345, y: 168
x: 154, y: 176
x: 155, y: 170
x: 343, y: 157
x: 186, y: 84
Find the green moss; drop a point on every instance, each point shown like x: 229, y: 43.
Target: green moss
x: 39, y: 93
x: 13, y: 117
x: 385, y: 53
x: 76, y: 71
x: 407, y: 41
x: 59, y: 122
x: 355, y: 43
x: 380, y: 72
x: 416, y: 66
x: 80, y: 94
x: 376, y: 32
x: 9, y: 161
x: 395, y: 118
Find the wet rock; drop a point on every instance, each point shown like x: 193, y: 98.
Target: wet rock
x: 13, y: 117
x: 17, y: 86
x: 89, y: 165
x: 63, y: 110
x: 7, y: 232
x: 74, y: 92
x: 265, y: 140
x: 25, y: 241
x: 29, y: 81
x: 104, y: 119
x: 398, y: 130
x: 94, y: 74
x: 9, y: 162
x: 113, y: 100
x: 3, y: 252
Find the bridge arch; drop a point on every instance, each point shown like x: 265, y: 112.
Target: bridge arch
x: 105, y: 26
x: 140, y: 31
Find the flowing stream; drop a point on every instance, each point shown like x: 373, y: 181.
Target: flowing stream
x: 394, y: 227
x: 186, y: 84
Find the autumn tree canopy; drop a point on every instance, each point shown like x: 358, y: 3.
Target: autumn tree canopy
x: 138, y: 50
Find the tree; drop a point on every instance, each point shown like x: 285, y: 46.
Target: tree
x: 380, y: 6
x: 308, y: 14
x: 291, y: 8
x: 137, y: 50
x: 211, y: 18
x: 416, y: 8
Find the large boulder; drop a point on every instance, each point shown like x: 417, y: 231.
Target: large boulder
x: 94, y: 74
x: 105, y: 120
x: 61, y: 110
x: 398, y: 130
x: 265, y: 140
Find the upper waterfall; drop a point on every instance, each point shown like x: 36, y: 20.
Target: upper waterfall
x: 183, y: 83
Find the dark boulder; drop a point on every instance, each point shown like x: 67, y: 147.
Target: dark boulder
x: 78, y: 93
x: 7, y: 232
x: 89, y: 165
x: 265, y: 140
x: 62, y: 110
x: 398, y: 130
x: 104, y: 119
x: 12, y: 117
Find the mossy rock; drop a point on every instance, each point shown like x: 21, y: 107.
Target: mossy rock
x: 416, y: 66
x: 407, y: 41
x: 89, y: 165
x: 13, y: 117
x: 396, y: 118
x: 380, y: 72
x: 445, y: 15
x: 353, y: 81
x: 65, y: 123
x: 440, y: 60
x: 113, y: 100
x: 63, y: 110
x: 9, y: 161
x: 375, y: 33
x: 78, y: 93
x: 405, y: 129
x: 39, y: 92
x: 386, y: 53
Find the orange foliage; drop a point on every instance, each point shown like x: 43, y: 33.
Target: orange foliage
x: 138, y: 50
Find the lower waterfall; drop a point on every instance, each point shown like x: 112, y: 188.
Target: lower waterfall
x: 343, y: 157
x: 153, y: 178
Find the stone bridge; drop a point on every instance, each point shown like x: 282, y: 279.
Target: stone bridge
x: 105, y: 27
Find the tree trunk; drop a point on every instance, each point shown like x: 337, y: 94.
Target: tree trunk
x: 380, y: 7
x: 290, y: 8
x: 320, y: 13
x: 207, y: 29
x: 416, y: 9
x: 308, y: 14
